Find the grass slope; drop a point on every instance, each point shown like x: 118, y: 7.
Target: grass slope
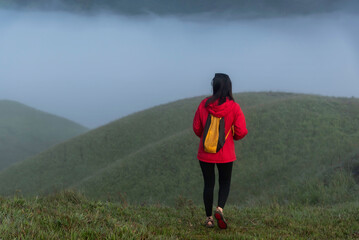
x: 300, y: 148
x: 25, y: 131
x: 68, y: 215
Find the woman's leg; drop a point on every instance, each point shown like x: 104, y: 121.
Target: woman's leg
x: 225, y: 173
x: 209, y: 180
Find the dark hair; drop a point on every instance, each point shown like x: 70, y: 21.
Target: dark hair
x: 222, y: 88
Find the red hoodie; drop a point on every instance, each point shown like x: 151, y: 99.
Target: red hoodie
x: 233, y: 115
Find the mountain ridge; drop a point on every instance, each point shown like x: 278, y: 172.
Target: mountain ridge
x: 294, y: 143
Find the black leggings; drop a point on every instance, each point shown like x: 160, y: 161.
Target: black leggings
x: 224, y: 172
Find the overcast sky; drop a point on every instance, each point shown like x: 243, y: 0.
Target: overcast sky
x: 94, y: 70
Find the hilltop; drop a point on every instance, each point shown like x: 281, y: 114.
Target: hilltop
x: 300, y: 149
x: 25, y: 131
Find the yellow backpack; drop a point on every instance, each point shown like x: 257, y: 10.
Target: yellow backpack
x: 214, y: 136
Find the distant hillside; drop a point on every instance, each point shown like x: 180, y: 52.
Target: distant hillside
x: 25, y: 131
x: 300, y: 148
x: 234, y: 8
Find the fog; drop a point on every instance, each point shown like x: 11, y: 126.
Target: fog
x: 96, y: 69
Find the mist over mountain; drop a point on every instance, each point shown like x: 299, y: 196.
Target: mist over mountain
x: 232, y: 8
x: 95, y: 69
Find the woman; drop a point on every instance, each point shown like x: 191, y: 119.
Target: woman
x: 220, y: 105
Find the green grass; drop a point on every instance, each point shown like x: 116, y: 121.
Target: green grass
x: 301, y: 149
x: 25, y: 131
x: 69, y: 215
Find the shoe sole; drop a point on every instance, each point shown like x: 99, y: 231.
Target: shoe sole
x: 222, y: 224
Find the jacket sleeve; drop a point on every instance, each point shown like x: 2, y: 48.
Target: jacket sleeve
x: 197, y: 125
x: 240, y: 129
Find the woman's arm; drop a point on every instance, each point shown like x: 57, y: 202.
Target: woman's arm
x: 197, y: 125
x: 240, y: 129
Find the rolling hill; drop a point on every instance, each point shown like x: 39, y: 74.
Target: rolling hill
x: 25, y: 131
x: 300, y: 148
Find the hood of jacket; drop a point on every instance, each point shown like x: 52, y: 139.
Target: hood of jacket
x: 220, y: 110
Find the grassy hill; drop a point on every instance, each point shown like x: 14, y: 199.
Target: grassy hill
x: 300, y: 149
x: 25, y: 131
x: 68, y: 215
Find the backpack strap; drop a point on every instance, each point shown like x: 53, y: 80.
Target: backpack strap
x: 232, y: 128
